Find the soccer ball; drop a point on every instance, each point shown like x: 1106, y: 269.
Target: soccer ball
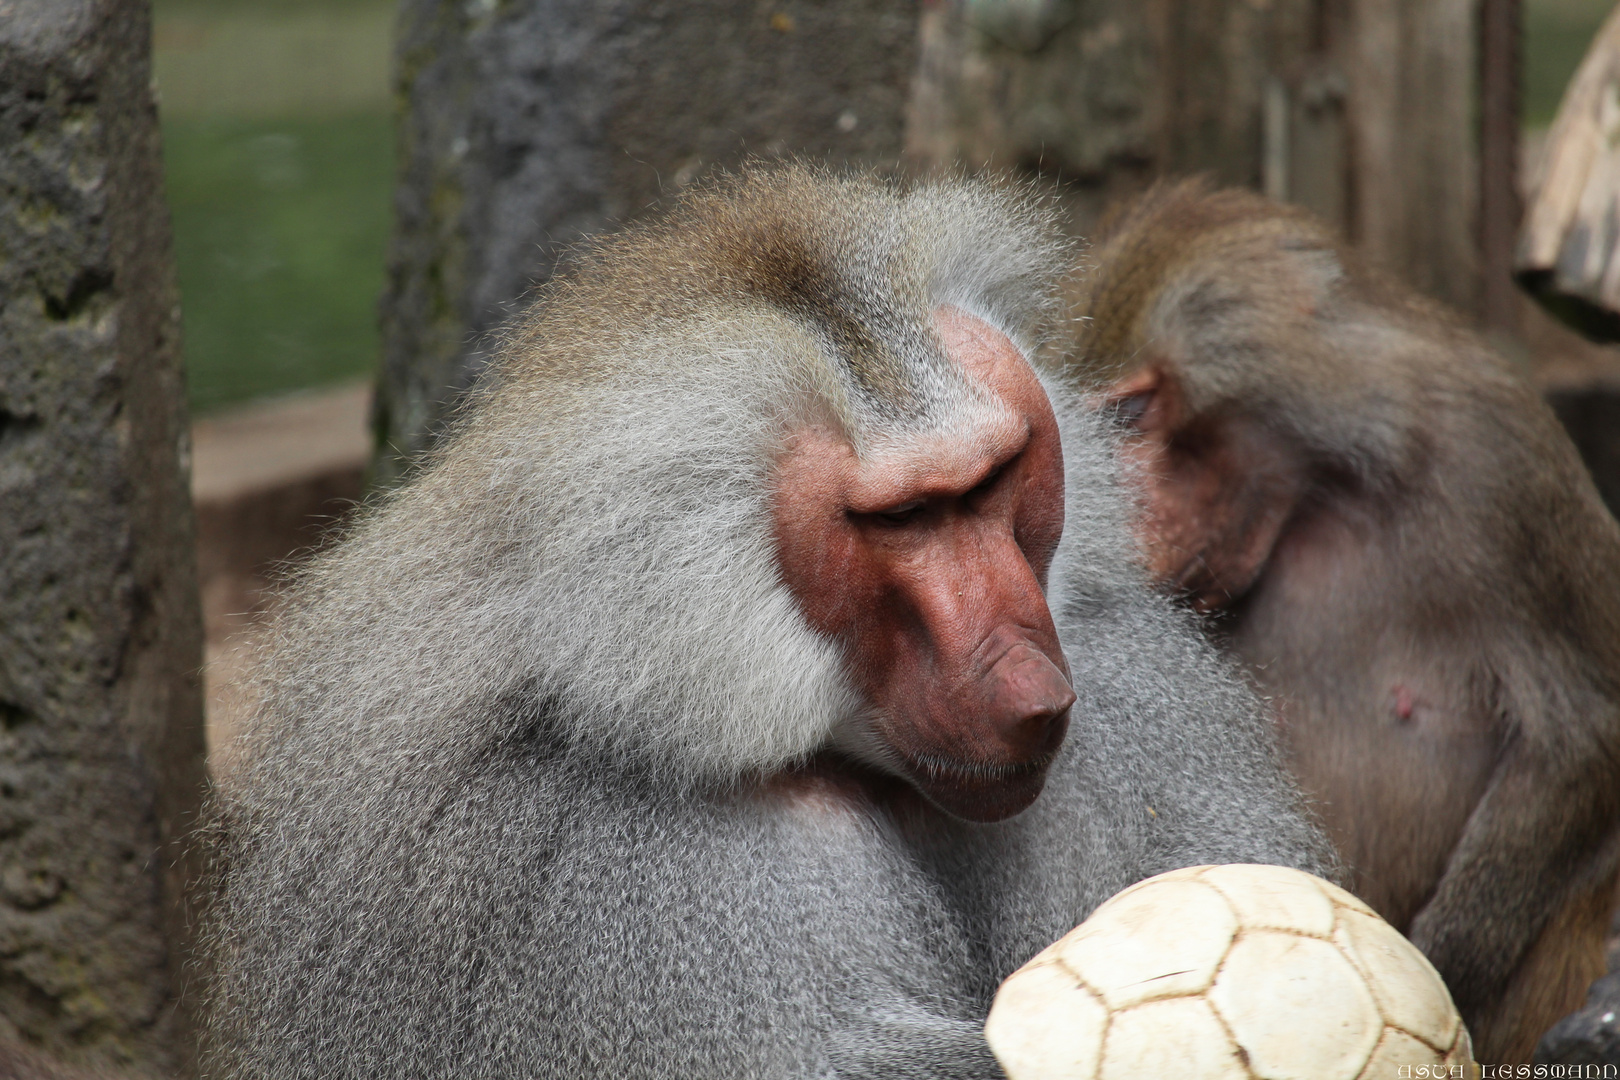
x: 1229, y: 973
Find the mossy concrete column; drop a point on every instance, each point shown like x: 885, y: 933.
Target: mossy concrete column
x: 101, y: 736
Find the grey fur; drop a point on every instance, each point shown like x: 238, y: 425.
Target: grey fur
x: 504, y: 807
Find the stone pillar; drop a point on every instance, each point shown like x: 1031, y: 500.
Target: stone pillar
x: 530, y: 124
x: 101, y: 736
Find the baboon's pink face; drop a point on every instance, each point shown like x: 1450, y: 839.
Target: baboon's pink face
x: 928, y: 562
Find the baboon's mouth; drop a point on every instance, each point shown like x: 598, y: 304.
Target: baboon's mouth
x: 938, y: 768
x: 980, y: 791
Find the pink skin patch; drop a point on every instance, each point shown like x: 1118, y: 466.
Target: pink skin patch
x: 927, y: 561
x: 1404, y: 704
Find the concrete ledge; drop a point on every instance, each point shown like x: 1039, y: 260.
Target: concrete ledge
x: 268, y: 481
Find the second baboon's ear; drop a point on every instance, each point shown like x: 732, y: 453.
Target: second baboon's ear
x: 1215, y: 489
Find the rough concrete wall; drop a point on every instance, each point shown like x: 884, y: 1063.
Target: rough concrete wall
x: 528, y: 124
x: 1101, y: 98
x: 1074, y: 94
x: 101, y: 736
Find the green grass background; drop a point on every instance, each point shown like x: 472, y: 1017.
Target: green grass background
x: 281, y: 220
x: 280, y: 227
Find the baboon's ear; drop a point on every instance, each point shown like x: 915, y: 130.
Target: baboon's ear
x: 1215, y: 489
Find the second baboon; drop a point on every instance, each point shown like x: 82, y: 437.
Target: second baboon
x: 1393, y: 533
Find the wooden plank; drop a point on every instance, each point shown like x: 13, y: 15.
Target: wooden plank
x: 1499, y: 208
x: 1412, y: 70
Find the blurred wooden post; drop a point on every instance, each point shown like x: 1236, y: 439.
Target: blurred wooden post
x: 1499, y: 182
x: 101, y: 734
